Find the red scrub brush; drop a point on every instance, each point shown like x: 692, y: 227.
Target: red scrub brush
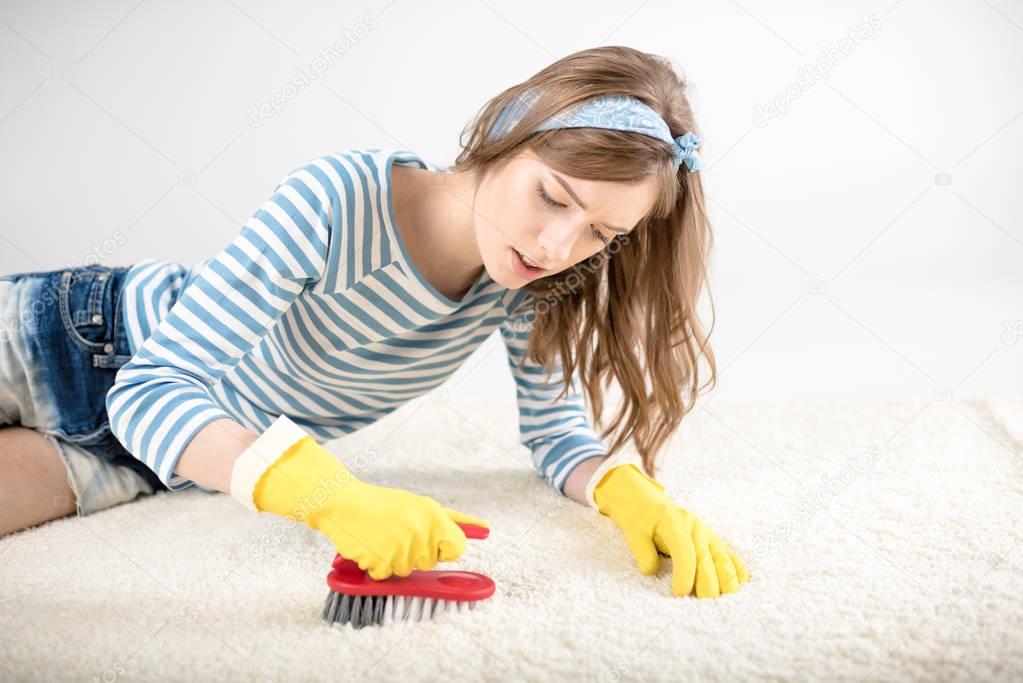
x: 357, y: 599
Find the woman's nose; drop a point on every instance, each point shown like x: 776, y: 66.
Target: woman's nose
x: 557, y: 240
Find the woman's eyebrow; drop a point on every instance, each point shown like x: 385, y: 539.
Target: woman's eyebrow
x: 575, y: 197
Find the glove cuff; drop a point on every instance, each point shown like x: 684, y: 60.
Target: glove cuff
x: 622, y: 457
x: 259, y: 456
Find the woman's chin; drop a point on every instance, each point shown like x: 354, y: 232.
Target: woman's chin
x: 510, y: 281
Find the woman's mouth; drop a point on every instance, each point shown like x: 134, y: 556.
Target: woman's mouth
x: 521, y: 264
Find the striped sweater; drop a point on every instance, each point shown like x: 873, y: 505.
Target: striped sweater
x: 315, y: 310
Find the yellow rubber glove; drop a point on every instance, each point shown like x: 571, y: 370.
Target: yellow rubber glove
x: 652, y: 522
x: 384, y: 530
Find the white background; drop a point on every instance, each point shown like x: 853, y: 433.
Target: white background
x: 869, y: 239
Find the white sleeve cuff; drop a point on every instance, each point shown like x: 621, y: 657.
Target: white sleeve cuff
x: 622, y: 457
x: 263, y: 452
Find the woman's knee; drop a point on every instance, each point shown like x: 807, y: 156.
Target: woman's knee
x: 33, y: 481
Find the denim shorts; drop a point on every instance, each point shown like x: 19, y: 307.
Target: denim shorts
x: 62, y: 341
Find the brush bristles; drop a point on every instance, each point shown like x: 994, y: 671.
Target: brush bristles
x: 379, y: 610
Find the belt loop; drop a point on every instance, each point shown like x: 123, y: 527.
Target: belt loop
x: 109, y: 361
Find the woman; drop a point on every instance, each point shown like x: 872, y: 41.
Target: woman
x: 572, y: 220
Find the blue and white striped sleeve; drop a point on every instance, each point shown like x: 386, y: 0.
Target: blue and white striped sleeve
x: 556, y: 430
x: 161, y: 398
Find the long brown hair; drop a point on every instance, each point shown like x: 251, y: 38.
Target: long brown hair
x: 629, y: 314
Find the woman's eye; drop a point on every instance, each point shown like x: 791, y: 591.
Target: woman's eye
x: 550, y: 201
x: 547, y: 198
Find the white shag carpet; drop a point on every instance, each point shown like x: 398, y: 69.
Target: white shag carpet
x: 883, y: 541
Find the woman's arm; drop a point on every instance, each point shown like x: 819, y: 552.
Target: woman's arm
x: 575, y: 485
x: 555, y: 428
x: 209, y: 457
x: 161, y: 398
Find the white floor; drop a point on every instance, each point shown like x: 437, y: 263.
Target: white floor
x: 883, y: 541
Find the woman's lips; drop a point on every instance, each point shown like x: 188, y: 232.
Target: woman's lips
x: 523, y: 270
x: 528, y: 261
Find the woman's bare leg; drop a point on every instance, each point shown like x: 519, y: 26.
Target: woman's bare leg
x: 33, y: 481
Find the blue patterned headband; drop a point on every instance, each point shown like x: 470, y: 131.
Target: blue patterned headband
x: 617, y: 112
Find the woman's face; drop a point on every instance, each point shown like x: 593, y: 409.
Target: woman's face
x: 554, y: 220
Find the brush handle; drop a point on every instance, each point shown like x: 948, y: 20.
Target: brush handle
x: 474, y: 530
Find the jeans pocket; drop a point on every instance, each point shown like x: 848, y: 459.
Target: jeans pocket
x: 85, y: 308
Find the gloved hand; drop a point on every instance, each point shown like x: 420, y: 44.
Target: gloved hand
x: 384, y: 530
x: 652, y: 522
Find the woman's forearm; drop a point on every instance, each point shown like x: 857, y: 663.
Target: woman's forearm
x: 575, y: 485
x: 209, y: 458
